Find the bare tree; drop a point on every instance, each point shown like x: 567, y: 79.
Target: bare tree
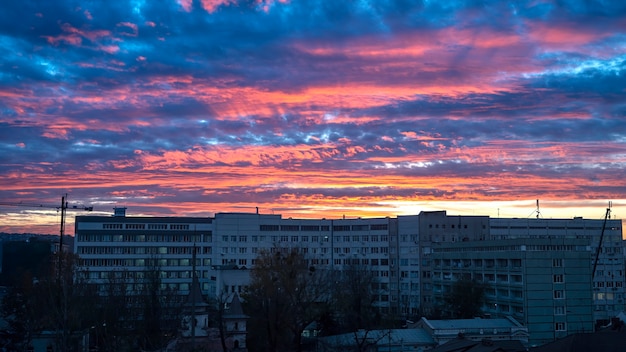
x: 110, y: 331
x: 355, y: 291
x: 158, y: 308
x: 285, y: 295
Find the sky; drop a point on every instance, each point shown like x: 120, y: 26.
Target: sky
x: 311, y: 109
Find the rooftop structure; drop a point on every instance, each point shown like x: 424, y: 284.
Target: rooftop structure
x: 476, y: 329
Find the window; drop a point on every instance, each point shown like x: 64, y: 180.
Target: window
x: 559, y: 294
x: 269, y: 228
x: 557, y: 278
x: 557, y: 263
x: 559, y: 326
x: 559, y: 310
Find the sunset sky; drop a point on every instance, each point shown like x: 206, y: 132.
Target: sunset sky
x: 313, y: 108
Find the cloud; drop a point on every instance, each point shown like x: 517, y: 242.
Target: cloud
x: 312, y: 108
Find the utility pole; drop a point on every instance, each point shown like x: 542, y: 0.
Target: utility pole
x: 62, y: 233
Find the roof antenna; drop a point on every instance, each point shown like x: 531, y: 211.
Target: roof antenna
x: 538, y: 212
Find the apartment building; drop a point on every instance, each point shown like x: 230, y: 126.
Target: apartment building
x: 129, y: 246
x: 543, y: 283
x: 228, y: 244
x: 608, y: 279
x: 427, y: 230
x: 398, y: 251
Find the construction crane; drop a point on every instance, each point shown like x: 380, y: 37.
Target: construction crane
x: 595, y: 262
x: 63, y: 209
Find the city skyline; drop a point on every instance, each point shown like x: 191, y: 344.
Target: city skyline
x: 312, y: 109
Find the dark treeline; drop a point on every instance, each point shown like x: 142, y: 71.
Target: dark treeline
x: 60, y: 299
x: 285, y: 299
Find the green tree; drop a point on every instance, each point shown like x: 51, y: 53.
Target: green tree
x: 465, y: 299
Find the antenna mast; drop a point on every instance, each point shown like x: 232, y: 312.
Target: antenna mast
x: 538, y: 212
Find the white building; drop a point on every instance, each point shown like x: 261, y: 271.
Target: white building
x: 397, y: 250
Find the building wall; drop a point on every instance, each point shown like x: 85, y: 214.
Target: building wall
x: 435, y: 228
x: 608, y: 281
x: 399, y: 251
x: 130, y: 246
x: 543, y: 283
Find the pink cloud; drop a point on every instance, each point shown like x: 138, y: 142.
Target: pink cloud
x: 75, y: 36
x: 130, y: 25
x: 186, y: 4
x: 211, y: 5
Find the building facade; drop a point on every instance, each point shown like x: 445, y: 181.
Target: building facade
x: 608, y: 279
x: 543, y: 283
x: 398, y: 251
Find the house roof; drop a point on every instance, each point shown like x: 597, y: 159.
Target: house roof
x: 195, y: 297
x: 464, y: 345
x: 387, y: 336
x: 602, y: 341
x: 471, y: 324
x: 235, y: 311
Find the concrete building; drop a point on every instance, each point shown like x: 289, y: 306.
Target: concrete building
x: 399, y: 251
x: 543, y: 283
x: 608, y: 280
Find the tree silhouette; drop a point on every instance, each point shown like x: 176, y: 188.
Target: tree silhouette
x: 284, y: 296
x: 465, y: 299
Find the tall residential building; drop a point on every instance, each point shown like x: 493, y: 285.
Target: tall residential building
x: 429, y: 229
x: 608, y: 280
x: 543, y: 283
